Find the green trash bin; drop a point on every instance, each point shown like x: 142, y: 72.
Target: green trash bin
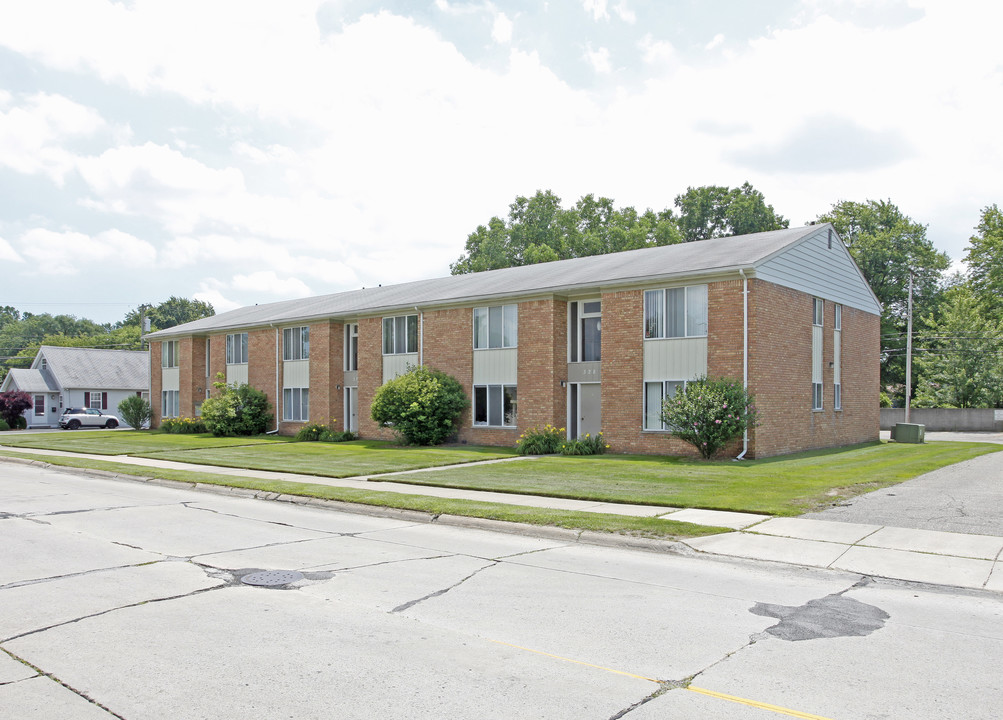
x: 908, y: 432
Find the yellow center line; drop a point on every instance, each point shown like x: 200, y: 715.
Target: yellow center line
x: 756, y: 704
x: 576, y: 662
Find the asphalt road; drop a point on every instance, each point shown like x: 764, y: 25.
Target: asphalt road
x: 125, y: 600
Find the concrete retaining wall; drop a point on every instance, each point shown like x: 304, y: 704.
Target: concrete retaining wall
x: 946, y: 419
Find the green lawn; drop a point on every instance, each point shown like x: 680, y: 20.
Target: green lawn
x: 787, y: 485
x: 359, y: 457
x: 582, y: 521
x: 128, y: 442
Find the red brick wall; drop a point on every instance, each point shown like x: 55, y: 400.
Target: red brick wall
x: 543, y: 364
x: 156, y: 383
x: 326, y: 376
x: 261, y: 368
x: 780, y: 352
x: 447, y: 337
x: 370, y: 375
x: 217, y: 357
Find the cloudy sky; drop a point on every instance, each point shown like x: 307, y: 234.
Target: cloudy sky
x: 245, y: 151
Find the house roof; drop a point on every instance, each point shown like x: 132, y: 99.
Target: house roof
x: 29, y: 380
x: 665, y: 262
x: 97, y: 369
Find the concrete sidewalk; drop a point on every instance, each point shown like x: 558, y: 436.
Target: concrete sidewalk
x: 915, y: 555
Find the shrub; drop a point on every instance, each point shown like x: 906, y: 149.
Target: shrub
x: 311, y: 432
x: 12, y: 404
x: 4, y: 425
x: 236, y: 410
x: 540, y: 442
x: 587, y: 445
x: 709, y: 413
x: 136, y: 411
x: 183, y: 426
x: 422, y: 406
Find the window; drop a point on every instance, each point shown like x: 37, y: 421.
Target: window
x: 816, y: 396
x: 837, y: 349
x: 39, y: 405
x: 236, y: 349
x: 838, y: 318
x: 296, y: 343
x: 495, y: 405
x: 654, y: 395
x: 837, y: 396
x: 496, y: 327
x: 169, y: 406
x: 94, y: 399
x: 816, y: 314
x: 585, y: 331
x: 675, y: 312
x: 296, y: 404
x: 400, y: 335
x: 169, y: 354
x: 43, y: 364
x: 351, y: 347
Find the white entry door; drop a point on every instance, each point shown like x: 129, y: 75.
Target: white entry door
x: 352, y: 409
x: 589, y: 409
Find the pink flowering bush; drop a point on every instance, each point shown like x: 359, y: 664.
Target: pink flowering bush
x: 709, y: 413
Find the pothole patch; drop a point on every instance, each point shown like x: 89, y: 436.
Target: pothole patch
x: 272, y: 578
x: 829, y: 617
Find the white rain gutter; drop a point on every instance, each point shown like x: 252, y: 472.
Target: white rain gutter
x: 745, y: 353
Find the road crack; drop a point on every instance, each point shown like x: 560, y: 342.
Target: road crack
x: 437, y: 593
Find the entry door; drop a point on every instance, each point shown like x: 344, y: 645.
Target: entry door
x: 589, y: 409
x: 352, y: 409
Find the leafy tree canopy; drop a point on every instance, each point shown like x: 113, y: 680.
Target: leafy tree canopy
x: 715, y: 211
x: 171, y: 312
x: 984, y: 259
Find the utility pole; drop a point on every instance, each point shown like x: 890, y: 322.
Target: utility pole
x: 908, y: 352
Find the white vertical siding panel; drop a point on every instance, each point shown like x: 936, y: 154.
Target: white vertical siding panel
x: 396, y: 365
x: 296, y: 374
x: 837, y: 342
x: 171, y: 378
x: 675, y: 359
x: 236, y: 374
x: 495, y: 367
x: 816, y: 353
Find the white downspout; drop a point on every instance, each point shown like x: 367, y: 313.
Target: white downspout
x: 745, y: 353
x: 421, y: 336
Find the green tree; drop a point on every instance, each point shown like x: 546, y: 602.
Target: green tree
x: 136, y: 411
x: 235, y: 410
x: 714, y: 211
x: 709, y: 413
x: 959, y: 356
x: 422, y: 406
x: 171, y: 312
x: 984, y: 259
x: 887, y: 245
x: 538, y: 230
x: 12, y: 404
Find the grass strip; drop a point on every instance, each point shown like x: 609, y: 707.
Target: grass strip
x: 130, y: 442
x: 573, y: 520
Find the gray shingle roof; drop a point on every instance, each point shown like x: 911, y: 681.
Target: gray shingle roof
x: 30, y: 380
x: 98, y: 369
x: 695, y: 258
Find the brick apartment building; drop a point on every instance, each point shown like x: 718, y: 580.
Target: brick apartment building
x: 588, y: 344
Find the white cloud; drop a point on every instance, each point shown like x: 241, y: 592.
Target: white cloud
x: 74, y: 253
x: 597, y: 9
x: 32, y: 134
x: 501, y: 29
x: 625, y: 13
x: 8, y: 253
x: 656, y: 51
x: 211, y: 291
x: 268, y: 281
x: 716, y: 41
x: 599, y: 60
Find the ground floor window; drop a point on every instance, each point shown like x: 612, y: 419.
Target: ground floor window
x: 816, y: 396
x: 654, y: 395
x: 837, y: 395
x: 39, y: 405
x: 169, y: 408
x: 296, y: 404
x: 495, y: 405
x: 94, y: 398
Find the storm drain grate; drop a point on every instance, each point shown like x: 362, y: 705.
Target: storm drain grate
x: 272, y: 578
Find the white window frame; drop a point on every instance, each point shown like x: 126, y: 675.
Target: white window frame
x: 351, y: 347
x: 169, y: 354
x: 297, y: 399
x: 662, y: 395
x: 656, y: 312
x: 837, y: 321
x: 236, y: 349
x: 296, y: 343
x: 817, y: 312
x: 39, y: 407
x: 96, y: 394
x: 493, y: 394
x: 399, y: 327
x: 577, y: 316
x: 816, y: 397
x: 837, y: 396
x: 498, y: 326
x: 170, y: 400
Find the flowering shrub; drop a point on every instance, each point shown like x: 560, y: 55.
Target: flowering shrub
x: 235, y: 409
x: 586, y: 445
x: 709, y: 413
x: 540, y: 442
x: 319, y: 432
x: 183, y: 426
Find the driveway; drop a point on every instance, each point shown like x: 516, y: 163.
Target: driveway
x: 962, y: 498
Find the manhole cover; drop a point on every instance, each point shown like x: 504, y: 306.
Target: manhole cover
x: 272, y: 578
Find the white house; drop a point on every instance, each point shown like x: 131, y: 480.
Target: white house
x: 65, y: 377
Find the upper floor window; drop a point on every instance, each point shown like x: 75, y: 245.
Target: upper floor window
x: 169, y: 354
x: 837, y: 321
x: 43, y: 364
x: 816, y: 311
x: 676, y: 312
x: 496, y: 327
x: 585, y: 330
x: 296, y: 343
x: 400, y: 335
x: 352, y: 347
x: 236, y: 349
